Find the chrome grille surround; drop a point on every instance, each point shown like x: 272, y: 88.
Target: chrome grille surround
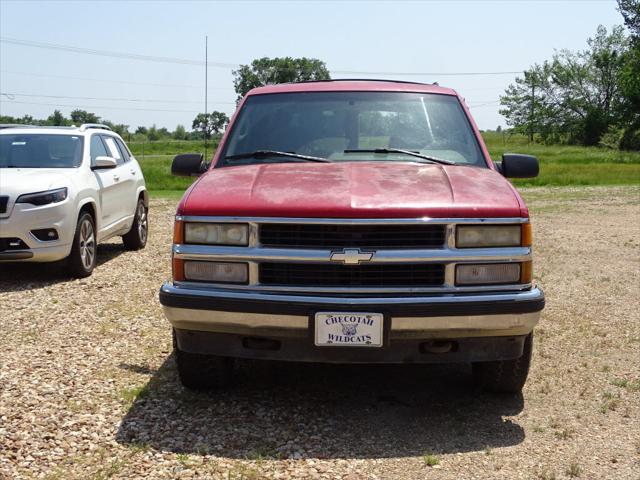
x: 447, y: 255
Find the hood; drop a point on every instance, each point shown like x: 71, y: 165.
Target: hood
x: 353, y: 190
x: 16, y: 181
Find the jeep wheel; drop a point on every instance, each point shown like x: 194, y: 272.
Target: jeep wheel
x: 136, y: 238
x: 506, y: 376
x: 82, y: 259
x: 203, y: 372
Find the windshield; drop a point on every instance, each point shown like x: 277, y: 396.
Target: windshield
x: 352, y: 126
x: 35, y: 150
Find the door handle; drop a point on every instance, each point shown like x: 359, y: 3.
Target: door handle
x: 133, y: 172
x: 116, y: 178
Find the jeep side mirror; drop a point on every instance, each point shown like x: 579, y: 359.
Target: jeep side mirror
x: 103, y: 163
x: 188, y: 165
x: 515, y: 165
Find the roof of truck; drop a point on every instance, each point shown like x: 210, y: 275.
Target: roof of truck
x: 355, y: 85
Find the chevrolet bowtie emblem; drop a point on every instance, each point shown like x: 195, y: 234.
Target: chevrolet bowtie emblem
x: 351, y: 256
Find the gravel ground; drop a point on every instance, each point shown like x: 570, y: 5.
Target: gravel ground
x: 88, y: 387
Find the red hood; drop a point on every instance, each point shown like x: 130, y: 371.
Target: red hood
x: 353, y: 190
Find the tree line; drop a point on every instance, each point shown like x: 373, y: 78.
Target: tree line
x: 589, y: 97
x: 203, y: 125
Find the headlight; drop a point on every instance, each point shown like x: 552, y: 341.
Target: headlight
x: 217, y: 233
x: 224, y: 272
x: 44, y: 198
x: 478, y: 236
x: 488, y: 274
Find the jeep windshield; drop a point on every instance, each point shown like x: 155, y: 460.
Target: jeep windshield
x: 35, y: 150
x: 353, y: 126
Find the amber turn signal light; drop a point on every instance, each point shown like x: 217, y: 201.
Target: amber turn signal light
x: 178, y: 232
x: 526, y: 239
x: 177, y: 267
x: 526, y: 272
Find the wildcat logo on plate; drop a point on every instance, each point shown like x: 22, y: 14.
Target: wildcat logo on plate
x: 348, y: 329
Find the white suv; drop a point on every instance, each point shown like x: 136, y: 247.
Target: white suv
x: 65, y: 189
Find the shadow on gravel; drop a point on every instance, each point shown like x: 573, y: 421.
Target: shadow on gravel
x: 16, y: 277
x: 289, y: 410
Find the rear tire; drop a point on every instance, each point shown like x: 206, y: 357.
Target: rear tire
x: 506, y: 376
x: 202, y: 372
x: 82, y: 259
x: 136, y: 238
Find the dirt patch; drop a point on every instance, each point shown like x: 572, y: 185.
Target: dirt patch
x: 88, y: 387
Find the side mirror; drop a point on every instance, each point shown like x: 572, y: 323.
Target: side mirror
x: 515, y: 165
x: 103, y: 163
x: 188, y: 165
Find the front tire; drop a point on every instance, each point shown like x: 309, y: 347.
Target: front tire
x: 202, y: 372
x: 82, y: 259
x: 506, y: 376
x: 136, y: 238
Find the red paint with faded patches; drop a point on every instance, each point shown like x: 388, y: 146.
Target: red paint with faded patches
x: 354, y: 189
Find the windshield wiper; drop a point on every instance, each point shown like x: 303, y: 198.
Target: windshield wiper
x: 276, y: 153
x: 429, y: 158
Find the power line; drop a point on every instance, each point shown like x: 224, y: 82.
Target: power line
x: 184, y: 61
x: 13, y: 94
x: 125, y: 82
x: 100, y: 106
x: 108, y: 53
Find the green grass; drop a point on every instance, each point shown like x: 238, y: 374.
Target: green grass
x: 430, y: 459
x: 563, y: 165
x: 560, y: 165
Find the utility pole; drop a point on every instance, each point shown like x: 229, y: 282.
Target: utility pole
x: 206, y: 87
x: 533, y: 102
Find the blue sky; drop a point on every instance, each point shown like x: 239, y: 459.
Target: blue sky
x: 366, y: 36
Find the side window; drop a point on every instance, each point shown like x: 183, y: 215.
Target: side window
x: 123, y: 149
x: 97, y: 148
x: 113, y: 149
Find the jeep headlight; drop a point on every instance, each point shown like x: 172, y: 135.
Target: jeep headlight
x: 44, y: 198
x: 216, y: 233
x: 482, y: 236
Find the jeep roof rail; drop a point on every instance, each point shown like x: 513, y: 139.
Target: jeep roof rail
x: 101, y: 126
x: 15, y: 125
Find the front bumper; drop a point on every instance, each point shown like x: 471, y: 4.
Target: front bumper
x: 224, y: 322
x: 25, y: 217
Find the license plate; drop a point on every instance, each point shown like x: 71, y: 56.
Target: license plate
x: 348, y: 329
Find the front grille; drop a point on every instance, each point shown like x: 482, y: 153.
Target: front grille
x: 295, y: 235
x: 4, y: 200
x: 372, y: 275
x: 12, y: 244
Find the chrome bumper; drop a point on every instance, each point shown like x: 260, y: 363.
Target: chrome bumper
x: 275, y: 314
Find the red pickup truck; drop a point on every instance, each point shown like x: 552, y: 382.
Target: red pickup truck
x: 353, y: 222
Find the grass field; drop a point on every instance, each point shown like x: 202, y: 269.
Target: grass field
x: 560, y: 165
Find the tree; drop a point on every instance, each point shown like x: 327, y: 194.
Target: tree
x: 209, y: 123
x: 56, y: 119
x: 153, y: 133
x: 180, y: 133
x: 269, y: 71
x: 78, y: 117
x: 629, y: 77
x: 575, y: 94
x: 630, y: 10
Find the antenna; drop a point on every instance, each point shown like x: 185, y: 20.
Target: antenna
x: 206, y: 87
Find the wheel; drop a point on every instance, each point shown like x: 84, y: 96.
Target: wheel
x: 82, y: 259
x: 202, y: 372
x: 136, y: 238
x: 506, y: 376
